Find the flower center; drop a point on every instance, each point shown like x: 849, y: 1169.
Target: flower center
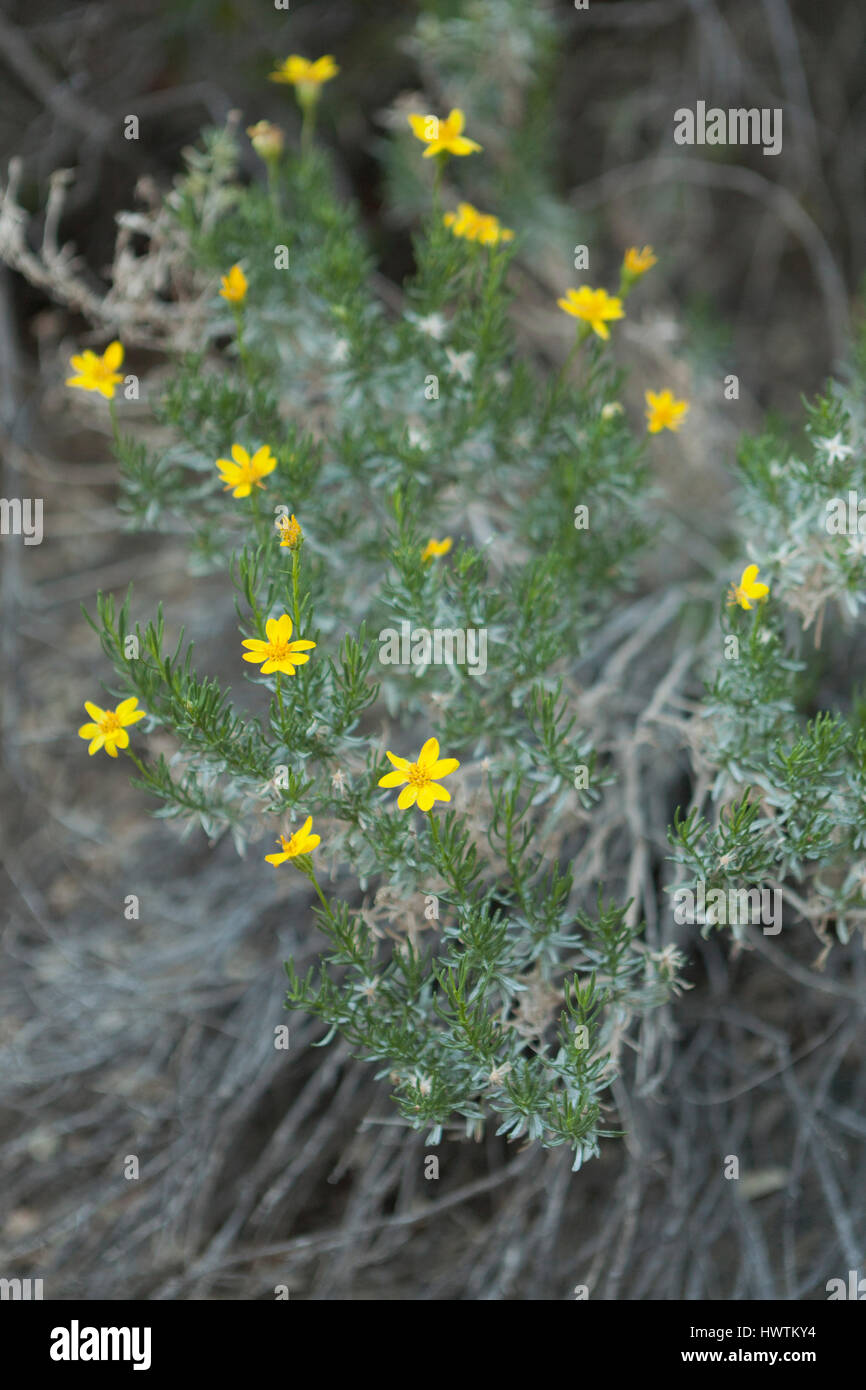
x: 109, y: 723
x: 419, y: 775
x: 279, y: 651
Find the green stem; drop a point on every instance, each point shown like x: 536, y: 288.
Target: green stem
x: 434, y: 831
x: 296, y: 606
x: 438, y: 176
x: 582, y: 335
x: 560, y: 379
x: 138, y: 763
x: 308, y: 127
x: 322, y: 899
x: 759, y: 615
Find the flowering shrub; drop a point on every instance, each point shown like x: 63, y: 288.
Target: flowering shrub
x: 789, y: 789
x: 347, y: 466
x: 351, y: 462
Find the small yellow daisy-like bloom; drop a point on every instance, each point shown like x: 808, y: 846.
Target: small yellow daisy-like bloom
x: 468, y: 222
x: 279, y: 652
x: 664, y: 411
x: 420, y: 777
x: 109, y: 726
x: 302, y: 842
x: 95, y: 373
x: 241, y: 473
x: 595, y: 307
x: 637, y: 262
x: 443, y: 137
x: 234, y: 285
x: 300, y: 72
x: 290, y: 531
x: 434, y: 548
x: 267, y: 140
x: 748, y: 588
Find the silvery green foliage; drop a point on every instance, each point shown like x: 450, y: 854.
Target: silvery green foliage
x: 789, y: 795
x: 393, y: 423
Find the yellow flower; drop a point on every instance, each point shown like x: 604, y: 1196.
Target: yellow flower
x: 95, y: 373
x: 109, y: 726
x: 434, y: 548
x: 420, y: 777
x: 290, y: 531
x: 302, y: 842
x: 595, y: 307
x: 267, y: 140
x: 663, y: 411
x: 234, y: 285
x: 637, y: 262
x: 748, y: 588
x: 443, y: 137
x: 279, y: 652
x: 468, y: 222
x: 300, y: 72
x: 245, y: 473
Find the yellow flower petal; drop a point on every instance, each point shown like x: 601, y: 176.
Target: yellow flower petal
x: 460, y: 145
x: 419, y: 127
x: 430, y: 752
x: 391, y: 779
x: 443, y: 767
x: 263, y: 461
